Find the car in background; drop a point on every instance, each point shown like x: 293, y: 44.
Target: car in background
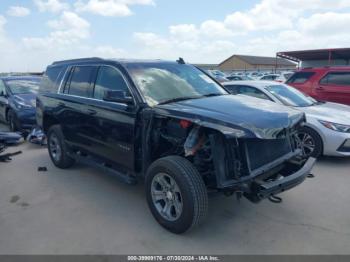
x: 327, y: 128
x: 18, y: 101
x: 270, y: 77
x: 217, y: 75
x: 284, y: 76
x: 238, y: 78
x: 324, y: 83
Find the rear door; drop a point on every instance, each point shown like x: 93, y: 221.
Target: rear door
x: 3, y: 101
x: 335, y: 87
x: 112, y: 126
x: 73, y: 106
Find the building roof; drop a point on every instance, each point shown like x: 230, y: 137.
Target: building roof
x: 261, y: 60
x: 318, y: 54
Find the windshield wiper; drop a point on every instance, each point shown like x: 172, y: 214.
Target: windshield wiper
x: 213, y: 94
x: 178, y: 99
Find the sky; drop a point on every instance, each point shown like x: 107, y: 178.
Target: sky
x: 34, y: 33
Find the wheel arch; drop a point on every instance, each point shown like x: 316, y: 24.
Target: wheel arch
x: 48, y: 121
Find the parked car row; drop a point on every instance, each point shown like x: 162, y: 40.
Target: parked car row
x: 238, y: 76
x: 177, y: 129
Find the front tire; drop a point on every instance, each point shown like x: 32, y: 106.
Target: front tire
x: 310, y: 142
x: 58, y: 150
x: 176, y: 194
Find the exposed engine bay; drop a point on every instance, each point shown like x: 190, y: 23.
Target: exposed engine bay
x: 228, y: 164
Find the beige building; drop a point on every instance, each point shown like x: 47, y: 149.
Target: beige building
x: 245, y: 62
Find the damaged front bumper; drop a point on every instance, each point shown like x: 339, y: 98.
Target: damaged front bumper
x: 264, y: 188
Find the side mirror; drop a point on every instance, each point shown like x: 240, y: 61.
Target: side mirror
x: 118, y: 97
x: 2, y: 93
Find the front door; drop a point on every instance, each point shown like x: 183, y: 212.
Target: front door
x: 112, y: 125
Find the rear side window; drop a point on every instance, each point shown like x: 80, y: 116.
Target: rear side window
x: 80, y: 81
x: 109, y: 78
x: 246, y: 90
x: 336, y: 78
x: 51, y: 79
x: 300, y: 77
x: 233, y: 89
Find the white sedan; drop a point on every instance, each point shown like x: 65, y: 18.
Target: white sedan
x: 327, y: 130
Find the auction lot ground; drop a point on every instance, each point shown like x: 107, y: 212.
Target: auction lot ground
x: 82, y: 211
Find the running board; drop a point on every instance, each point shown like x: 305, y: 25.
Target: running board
x: 93, y: 162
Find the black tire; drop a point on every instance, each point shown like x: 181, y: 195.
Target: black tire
x: 194, y: 196
x: 11, y: 118
x: 55, y: 138
x: 316, y: 140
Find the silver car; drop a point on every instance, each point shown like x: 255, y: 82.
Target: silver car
x: 327, y: 130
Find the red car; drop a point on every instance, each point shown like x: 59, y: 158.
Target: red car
x: 324, y: 83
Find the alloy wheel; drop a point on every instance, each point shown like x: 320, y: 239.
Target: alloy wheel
x: 166, y: 197
x: 55, y: 148
x: 306, y: 143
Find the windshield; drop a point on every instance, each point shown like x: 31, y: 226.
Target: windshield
x: 167, y: 82
x: 290, y: 96
x: 23, y: 86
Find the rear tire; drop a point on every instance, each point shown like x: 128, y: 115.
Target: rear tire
x: 311, y: 142
x: 58, y: 150
x: 175, y: 183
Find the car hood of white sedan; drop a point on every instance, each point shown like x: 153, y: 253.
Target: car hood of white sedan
x: 332, y: 112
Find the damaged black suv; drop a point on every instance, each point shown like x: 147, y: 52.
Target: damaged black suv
x: 172, y: 126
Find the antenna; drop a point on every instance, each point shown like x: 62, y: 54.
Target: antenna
x: 181, y: 61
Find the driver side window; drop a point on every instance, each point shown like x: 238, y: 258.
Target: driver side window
x: 109, y: 78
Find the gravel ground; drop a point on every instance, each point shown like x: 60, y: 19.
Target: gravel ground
x: 82, y: 211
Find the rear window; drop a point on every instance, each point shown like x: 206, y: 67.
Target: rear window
x: 336, y: 78
x: 51, y: 79
x: 300, y: 77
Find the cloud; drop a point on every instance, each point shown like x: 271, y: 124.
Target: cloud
x: 108, y: 51
x: 109, y: 7
x: 53, y: 6
x: 68, y: 30
x: 18, y: 11
x: 266, y: 28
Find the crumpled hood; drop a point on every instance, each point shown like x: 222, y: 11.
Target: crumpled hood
x: 332, y: 112
x: 256, y: 117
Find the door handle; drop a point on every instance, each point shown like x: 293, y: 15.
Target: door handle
x: 320, y: 88
x: 61, y: 104
x: 92, y: 112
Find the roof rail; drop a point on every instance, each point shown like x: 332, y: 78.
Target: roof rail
x: 77, y: 60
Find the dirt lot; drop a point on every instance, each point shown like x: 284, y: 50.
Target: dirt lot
x: 82, y: 211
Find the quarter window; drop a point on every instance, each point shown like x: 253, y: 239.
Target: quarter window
x: 109, y: 78
x: 336, y: 78
x: 300, y: 77
x: 80, y: 81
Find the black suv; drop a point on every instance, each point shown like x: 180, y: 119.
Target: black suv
x: 172, y: 126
